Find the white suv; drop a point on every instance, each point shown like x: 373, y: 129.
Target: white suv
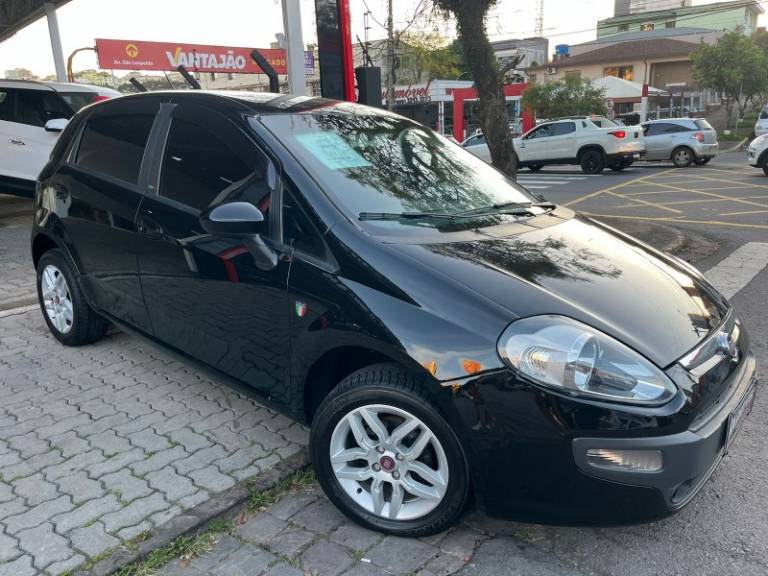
x: 593, y: 142
x: 757, y: 153
x: 31, y: 116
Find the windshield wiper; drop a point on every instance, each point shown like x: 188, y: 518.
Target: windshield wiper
x: 409, y: 216
x: 513, y: 208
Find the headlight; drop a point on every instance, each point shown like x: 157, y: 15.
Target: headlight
x: 568, y: 356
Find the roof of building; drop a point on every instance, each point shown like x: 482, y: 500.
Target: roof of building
x: 512, y: 43
x: 685, y: 11
x: 16, y: 15
x: 649, y: 49
x: 620, y: 88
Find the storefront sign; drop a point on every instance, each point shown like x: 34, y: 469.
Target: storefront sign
x: 410, y: 94
x: 140, y: 55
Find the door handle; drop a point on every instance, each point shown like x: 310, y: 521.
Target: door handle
x: 17, y: 142
x: 150, y: 228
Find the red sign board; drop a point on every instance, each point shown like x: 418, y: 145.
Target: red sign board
x: 140, y: 55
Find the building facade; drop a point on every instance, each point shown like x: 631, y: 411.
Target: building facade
x: 736, y: 16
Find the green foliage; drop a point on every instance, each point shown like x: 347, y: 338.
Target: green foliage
x: 736, y: 66
x: 564, y: 98
x: 430, y: 54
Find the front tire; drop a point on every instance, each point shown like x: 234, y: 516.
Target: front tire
x: 68, y: 316
x: 386, y: 457
x: 682, y: 157
x: 592, y: 162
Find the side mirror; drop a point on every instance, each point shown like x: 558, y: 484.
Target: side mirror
x: 233, y: 219
x: 56, y: 125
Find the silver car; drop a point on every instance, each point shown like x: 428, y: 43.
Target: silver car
x: 685, y: 141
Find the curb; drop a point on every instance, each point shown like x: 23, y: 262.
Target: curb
x: 17, y: 304
x: 734, y: 148
x: 225, y: 504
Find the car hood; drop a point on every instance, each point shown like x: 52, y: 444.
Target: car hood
x: 590, y: 272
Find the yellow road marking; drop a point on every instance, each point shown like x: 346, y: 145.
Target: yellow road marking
x: 724, y: 181
x: 612, y: 188
x: 697, y: 201
x: 745, y: 212
x: 705, y: 193
x: 680, y: 220
x: 645, y: 202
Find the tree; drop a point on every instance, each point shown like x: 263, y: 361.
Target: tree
x: 430, y: 54
x: 735, y: 67
x: 489, y: 77
x: 568, y: 97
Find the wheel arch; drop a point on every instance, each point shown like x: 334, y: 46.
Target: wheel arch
x: 337, y: 363
x: 588, y: 148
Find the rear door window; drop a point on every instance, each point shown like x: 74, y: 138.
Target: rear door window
x: 36, y: 107
x: 563, y: 128
x: 114, y: 145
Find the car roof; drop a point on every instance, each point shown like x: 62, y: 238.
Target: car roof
x: 56, y: 86
x: 265, y: 102
x: 673, y: 120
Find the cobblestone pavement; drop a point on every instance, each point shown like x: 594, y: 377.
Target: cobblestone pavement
x: 304, y: 535
x: 101, y: 444
x: 16, y: 275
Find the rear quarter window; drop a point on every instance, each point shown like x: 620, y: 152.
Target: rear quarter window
x: 114, y: 145
x: 702, y: 124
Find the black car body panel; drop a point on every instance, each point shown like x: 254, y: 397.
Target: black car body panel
x: 434, y: 299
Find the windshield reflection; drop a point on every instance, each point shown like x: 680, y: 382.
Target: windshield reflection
x: 380, y: 162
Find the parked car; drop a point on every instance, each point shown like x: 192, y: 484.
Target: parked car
x: 477, y: 145
x: 685, y: 141
x: 761, y: 126
x: 593, y: 142
x: 32, y: 114
x: 442, y: 331
x: 757, y: 153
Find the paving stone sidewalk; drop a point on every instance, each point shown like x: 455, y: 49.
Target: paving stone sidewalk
x: 17, y: 277
x: 304, y: 535
x: 101, y: 444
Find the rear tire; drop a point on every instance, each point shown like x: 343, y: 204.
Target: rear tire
x: 702, y: 161
x: 68, y: 316
x: 592, y: 162
x: 377, y: 481
x: 682, y: 157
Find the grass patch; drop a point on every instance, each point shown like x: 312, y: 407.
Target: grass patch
x: 301, y: 480
x: 185, y: 548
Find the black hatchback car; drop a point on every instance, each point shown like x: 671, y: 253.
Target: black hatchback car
x: 444, y: 333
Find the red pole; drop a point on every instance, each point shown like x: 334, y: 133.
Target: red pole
x: 345, y: 30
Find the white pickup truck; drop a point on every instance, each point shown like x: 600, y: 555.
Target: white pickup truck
x: 593, y: 142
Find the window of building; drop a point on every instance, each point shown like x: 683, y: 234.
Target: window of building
x: 573, y: 75
x: 623, y: 28
x: 625, y: 72
x: 114, y: 145
x: 647, y: 27
x: 670, y: 24
x: 199, y: 167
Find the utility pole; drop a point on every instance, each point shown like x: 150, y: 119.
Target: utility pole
x: 295, y: 47
x: 540, y: 19
x: 390, y: 56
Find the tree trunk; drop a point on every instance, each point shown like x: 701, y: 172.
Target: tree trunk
x: 479, y: 55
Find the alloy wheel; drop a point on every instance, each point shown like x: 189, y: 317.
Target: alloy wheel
x: 57, y: 299
x: 389, y: 462
x: 682, y: 157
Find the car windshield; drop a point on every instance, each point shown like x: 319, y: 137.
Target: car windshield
x: 383, y: 163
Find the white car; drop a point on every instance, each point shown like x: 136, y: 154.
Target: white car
x: 757, y: 153
x: 32, y: 114
x: 593, y: 142
x: 761, y: 126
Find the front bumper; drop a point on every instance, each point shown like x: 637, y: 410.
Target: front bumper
x: 527, y: 453
x: 689, y: 457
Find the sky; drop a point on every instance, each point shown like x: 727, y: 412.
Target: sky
x: 253, y: 23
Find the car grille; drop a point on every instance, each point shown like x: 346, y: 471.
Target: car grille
x: 712, y: 365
